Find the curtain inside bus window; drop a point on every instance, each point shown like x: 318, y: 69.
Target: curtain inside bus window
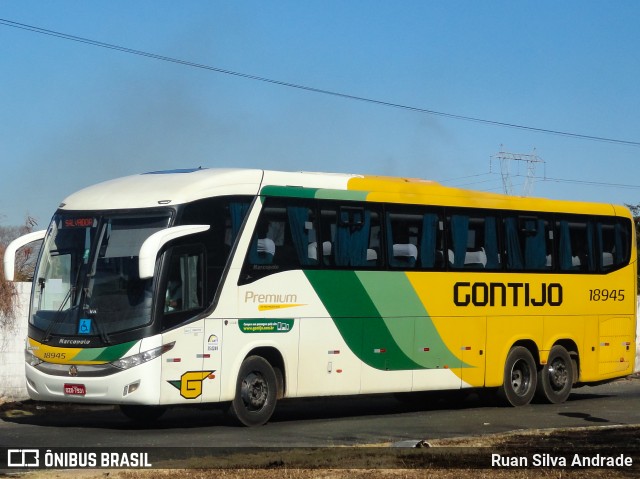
x: 262, y: 248
x: 352, y: 237
x: 389, y: 229
x: 402, y: 237
x: 512, y: 242
x: 620, y: 250
x: 591, y: 251
x: 599, y: 247
x: 564, y: 250
x: 428, y: 241
x: 343, y: 236
x: 301, y: 233
x: 491, y: 243
x: 459, y: 237
x: 237, y: 211
x: 535, y: 248
x: 360, y: 238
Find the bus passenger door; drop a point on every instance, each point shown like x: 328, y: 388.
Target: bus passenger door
x: 212, y: 359
x: 182, y: 366
x: 183, y: 369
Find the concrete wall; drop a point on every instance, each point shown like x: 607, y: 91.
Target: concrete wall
x: 12, y: 383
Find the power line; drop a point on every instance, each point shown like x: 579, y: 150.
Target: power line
x: 542, y: 178
x: 463, y: 177
x: 347, y: 96
x: 590, y: 183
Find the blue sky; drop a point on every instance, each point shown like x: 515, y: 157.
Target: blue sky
x: 73, y: 114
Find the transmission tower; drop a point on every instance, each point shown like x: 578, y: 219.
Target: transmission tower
x: 513, y: 164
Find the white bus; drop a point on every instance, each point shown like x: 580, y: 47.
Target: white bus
x: 242, y: 287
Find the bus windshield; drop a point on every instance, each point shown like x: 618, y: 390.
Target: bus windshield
x: 87, y: 275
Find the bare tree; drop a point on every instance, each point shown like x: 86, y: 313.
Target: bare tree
x: 25, y: 264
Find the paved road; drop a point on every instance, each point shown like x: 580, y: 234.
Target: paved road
x: 323, y: 422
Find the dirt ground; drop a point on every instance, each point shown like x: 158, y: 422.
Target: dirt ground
x: 459, y: 458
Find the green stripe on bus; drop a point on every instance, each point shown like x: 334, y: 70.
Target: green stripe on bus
x: 320, y: 193
x: 359, y: 321
x: 289, y: 191
x: 407, y: 319
x: 342, y: 195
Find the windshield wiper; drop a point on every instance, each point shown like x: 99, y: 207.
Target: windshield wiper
x: 56, y: 317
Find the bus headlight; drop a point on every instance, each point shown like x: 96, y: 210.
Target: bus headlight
x: 31, y: 359
x: 137, y: 359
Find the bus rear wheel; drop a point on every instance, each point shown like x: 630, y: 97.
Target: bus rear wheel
x: 555, y: 379
x: 256, y: 392
x: 520, y: 377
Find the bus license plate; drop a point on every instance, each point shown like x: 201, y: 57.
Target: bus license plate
x: 75, y: 390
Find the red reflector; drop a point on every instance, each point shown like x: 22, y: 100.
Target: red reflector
x: 426, y: 350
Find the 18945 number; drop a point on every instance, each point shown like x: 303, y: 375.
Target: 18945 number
x: 606, y: 295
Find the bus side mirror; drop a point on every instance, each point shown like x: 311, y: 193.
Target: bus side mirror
x: 12, y: 249
x: 154, y: 243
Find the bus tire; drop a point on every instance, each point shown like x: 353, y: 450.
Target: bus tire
x: 520, y: 377
x: 256, y: 392
x: 142, y: 414
x: 555, y: 379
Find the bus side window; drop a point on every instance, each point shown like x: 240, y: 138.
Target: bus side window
x: 226, y: 216
x: 351, y: 236
x: 612, y: 243
x: 285, y: 238
x: 528, y: 243
x: 537, y: 241
x: 473, y: 242
x: 402, y: 237
x: 414, y: 238
x: 184, y: 283
x: 184, y: 289
x: 576, y: 245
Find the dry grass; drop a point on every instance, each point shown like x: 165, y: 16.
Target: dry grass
x: 285, y: 473
x: 334, y: 463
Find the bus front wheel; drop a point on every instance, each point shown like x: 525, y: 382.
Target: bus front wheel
x: 555, y: 379
x: 256, y: 392
x: 520, y: 377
